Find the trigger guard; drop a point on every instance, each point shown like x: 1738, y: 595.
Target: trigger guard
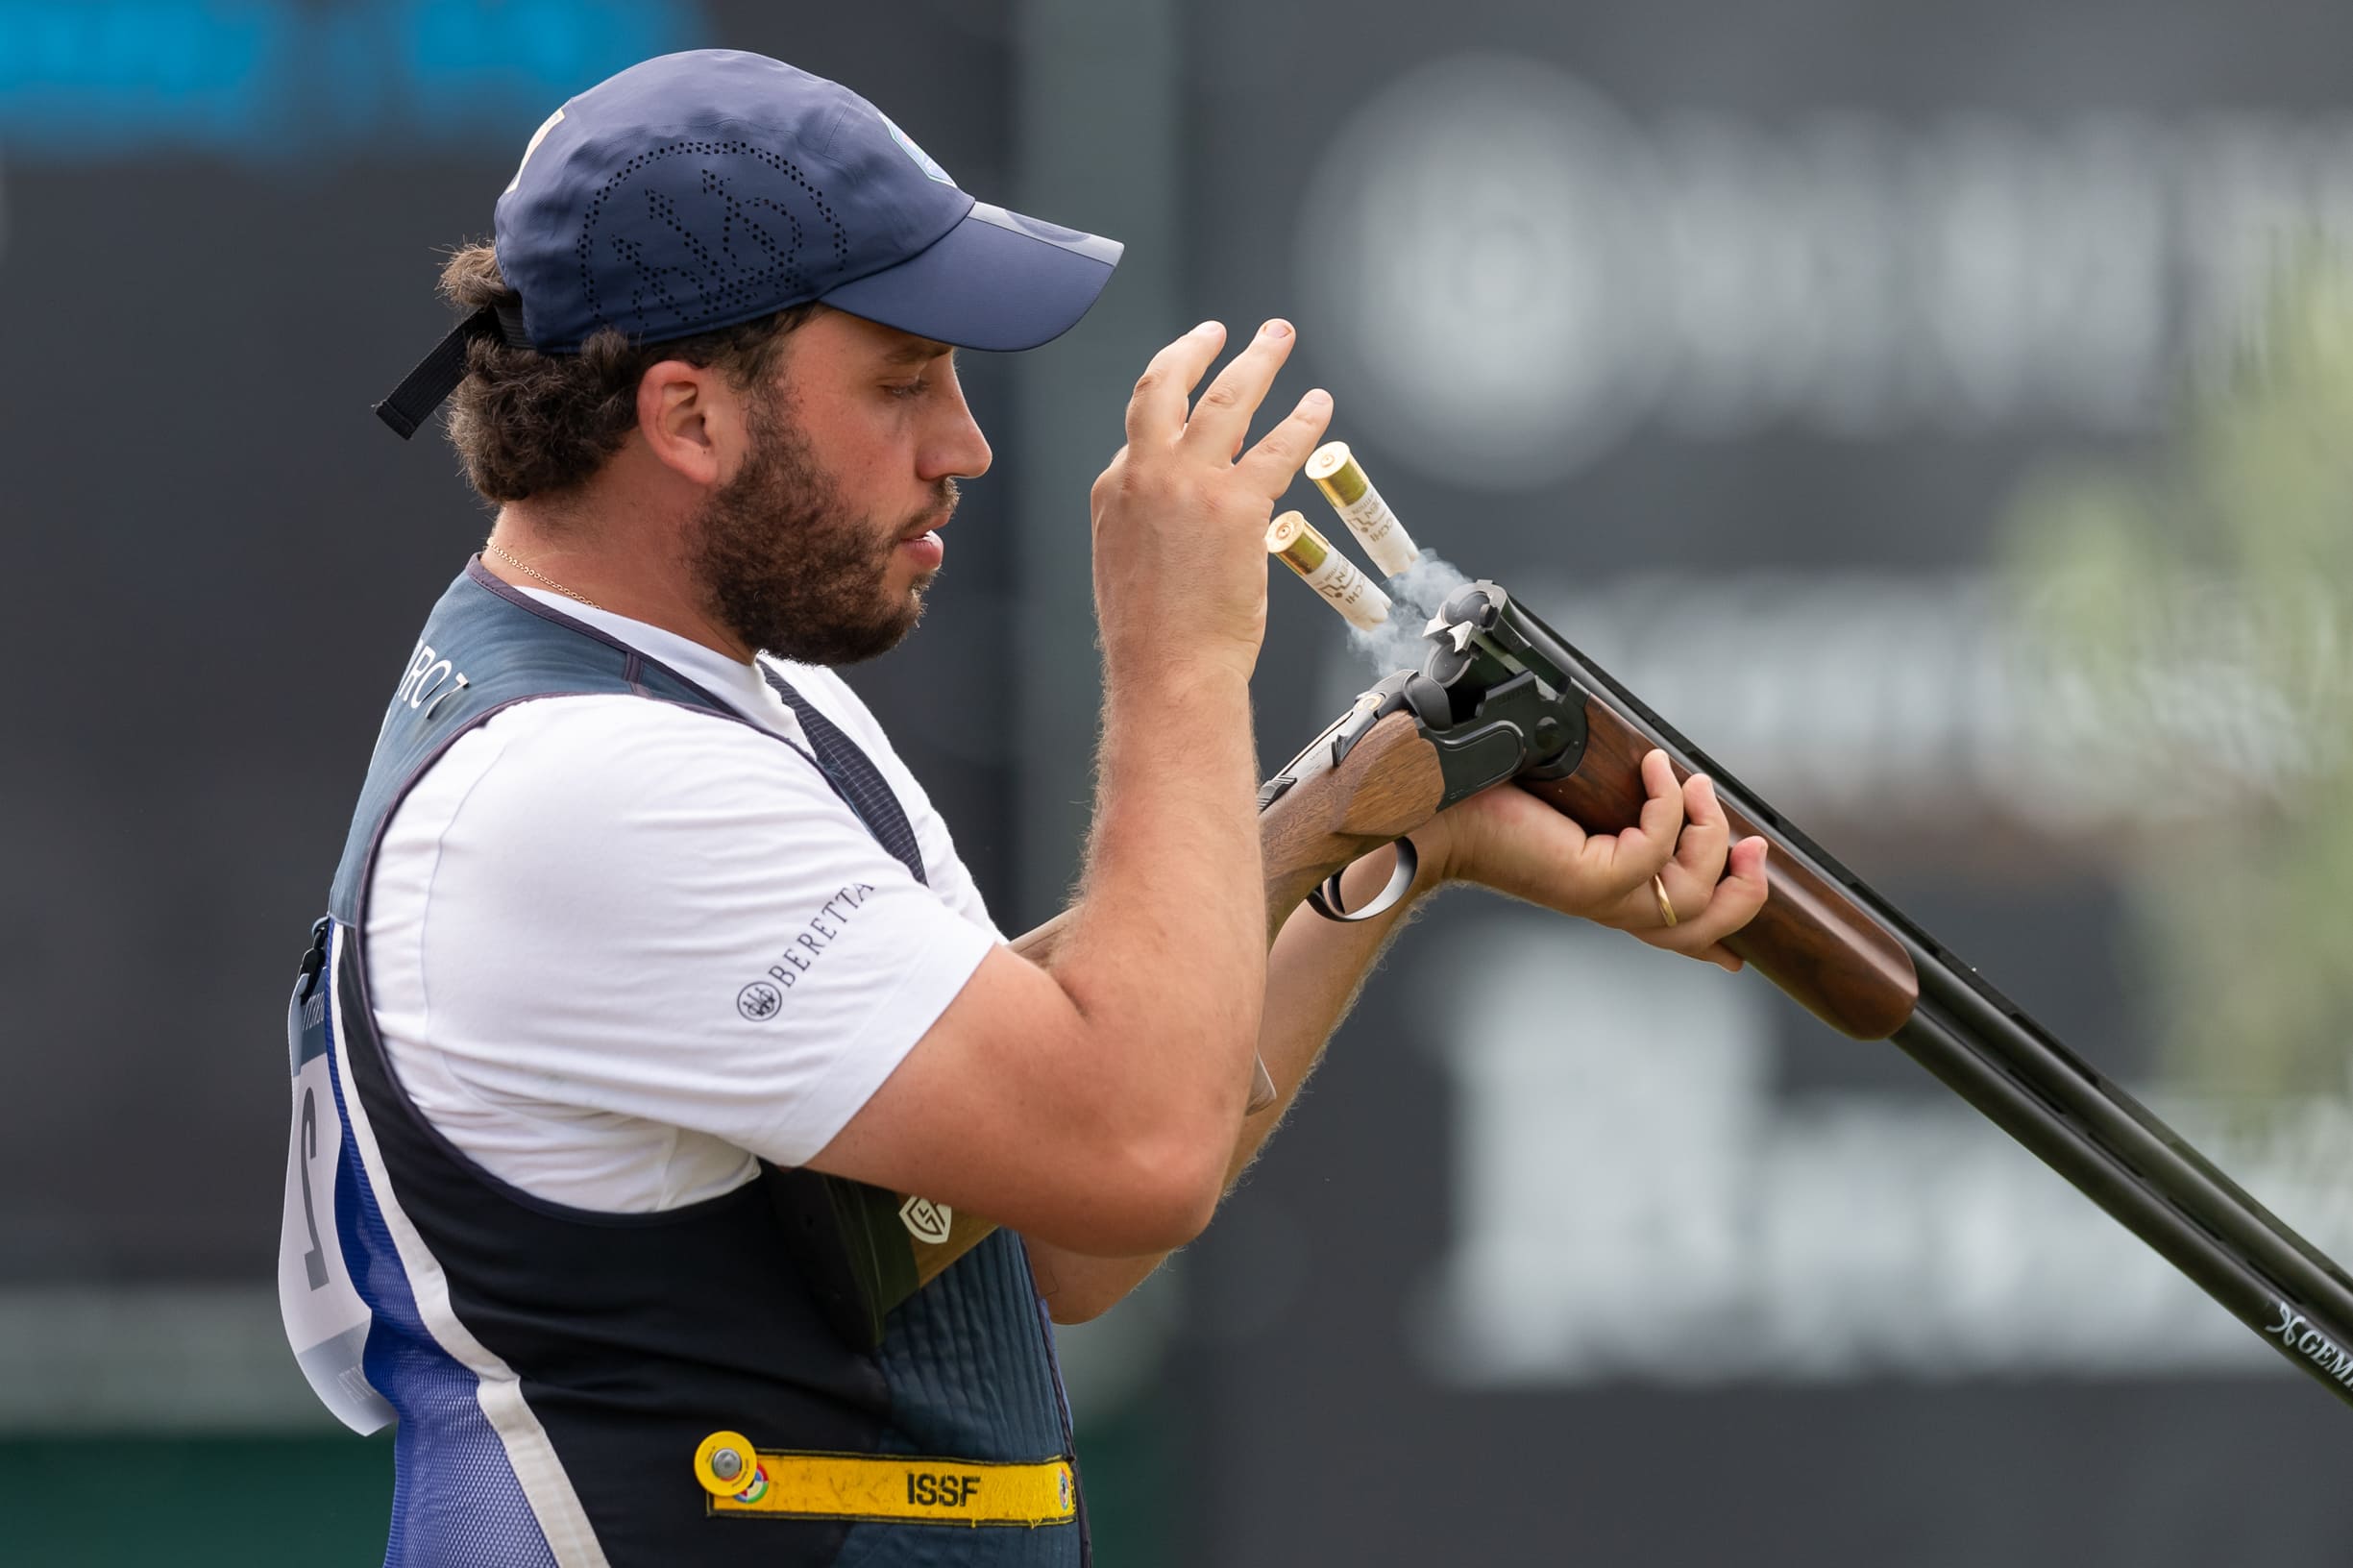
x: 1325, y: 899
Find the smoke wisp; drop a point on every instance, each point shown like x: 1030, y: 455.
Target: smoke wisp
x: 1415, y: 593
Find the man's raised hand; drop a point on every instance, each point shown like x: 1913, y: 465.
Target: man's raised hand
x: 1181, y: 514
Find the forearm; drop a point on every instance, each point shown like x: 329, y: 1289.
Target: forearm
x: 1172, y: 889
x: 1315, y: 971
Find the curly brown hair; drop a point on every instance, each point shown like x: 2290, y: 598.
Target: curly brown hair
x: 532, y: 424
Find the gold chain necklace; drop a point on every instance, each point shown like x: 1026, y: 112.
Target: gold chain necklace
x: 529, y: 569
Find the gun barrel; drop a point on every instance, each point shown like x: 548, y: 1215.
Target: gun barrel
x: 1897, y: 982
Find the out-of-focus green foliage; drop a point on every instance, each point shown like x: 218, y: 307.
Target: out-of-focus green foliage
x: 2207, y: 594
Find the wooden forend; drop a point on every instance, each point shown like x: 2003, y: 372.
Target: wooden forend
x: 1810, y: 939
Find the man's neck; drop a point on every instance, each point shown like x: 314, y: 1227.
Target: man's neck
x: 625, y: 571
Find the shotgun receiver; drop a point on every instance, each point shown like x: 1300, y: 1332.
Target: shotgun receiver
x: 1500, y: 697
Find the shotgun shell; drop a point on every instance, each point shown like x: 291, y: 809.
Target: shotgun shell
x: 1342, y: 478
x: 1294, y: 539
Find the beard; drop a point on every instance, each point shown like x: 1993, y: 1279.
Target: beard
x: 787, y: 566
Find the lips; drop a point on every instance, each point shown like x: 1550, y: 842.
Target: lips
x: 944, y: 498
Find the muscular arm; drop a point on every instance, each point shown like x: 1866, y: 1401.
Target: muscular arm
x: 1313, y: 974
x: 1091, y: 1103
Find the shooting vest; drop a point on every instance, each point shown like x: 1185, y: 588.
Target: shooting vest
x: 554, y: 1371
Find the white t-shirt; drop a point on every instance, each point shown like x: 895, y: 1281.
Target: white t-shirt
x: 619, y: 947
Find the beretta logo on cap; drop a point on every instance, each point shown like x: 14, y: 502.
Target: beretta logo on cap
x: 924, y: 160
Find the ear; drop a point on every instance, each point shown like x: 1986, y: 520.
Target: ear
x: 691, y: 420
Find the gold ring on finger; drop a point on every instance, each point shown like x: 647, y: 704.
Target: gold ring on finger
x: 1666, y: 906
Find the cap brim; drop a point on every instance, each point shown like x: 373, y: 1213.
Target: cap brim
x: 996, y: 281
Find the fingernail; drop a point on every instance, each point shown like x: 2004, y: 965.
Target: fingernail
x: 1276, y: 329
x: 1208, y: 328
x: 1317, y: 399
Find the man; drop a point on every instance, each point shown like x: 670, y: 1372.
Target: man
x: 656, y: 1032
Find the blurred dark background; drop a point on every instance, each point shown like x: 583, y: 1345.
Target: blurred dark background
x: 1812, y: 366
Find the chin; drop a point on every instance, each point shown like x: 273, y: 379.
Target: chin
x: 911, y: 618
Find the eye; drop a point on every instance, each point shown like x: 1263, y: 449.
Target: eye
x: 908, y: 389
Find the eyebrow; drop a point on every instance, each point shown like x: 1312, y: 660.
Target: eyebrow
x: 917, y: 349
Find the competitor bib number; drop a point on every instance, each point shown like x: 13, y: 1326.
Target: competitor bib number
x: 326, y: 1322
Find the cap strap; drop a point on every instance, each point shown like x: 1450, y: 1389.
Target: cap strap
x: 428, y: 386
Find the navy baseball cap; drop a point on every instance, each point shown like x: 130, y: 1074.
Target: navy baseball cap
x: 699, y: 190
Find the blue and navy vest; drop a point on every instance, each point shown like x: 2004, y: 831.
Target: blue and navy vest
x: 547, y: 1364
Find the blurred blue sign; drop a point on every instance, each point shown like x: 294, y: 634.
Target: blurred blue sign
x: 270, y: 81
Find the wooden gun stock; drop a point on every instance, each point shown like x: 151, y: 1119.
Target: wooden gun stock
x: 1811, y: 939
x: 1387, y: 785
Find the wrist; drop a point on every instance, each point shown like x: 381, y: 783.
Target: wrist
x: 1444, y: 845
x: 1157, y: 679
x: 1171, y: 731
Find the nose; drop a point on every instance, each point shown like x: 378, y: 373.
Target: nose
x: 956, y: 450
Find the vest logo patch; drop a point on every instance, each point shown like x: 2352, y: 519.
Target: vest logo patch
x: 928, y: 1222
x: 759, y: 1001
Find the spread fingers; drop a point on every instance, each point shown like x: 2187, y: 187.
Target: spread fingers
x: 1156, y: 412
x: 1271, y: 466
x: 1221, y: 417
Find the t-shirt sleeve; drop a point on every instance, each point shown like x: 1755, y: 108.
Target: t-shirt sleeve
x: 667, y: 915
